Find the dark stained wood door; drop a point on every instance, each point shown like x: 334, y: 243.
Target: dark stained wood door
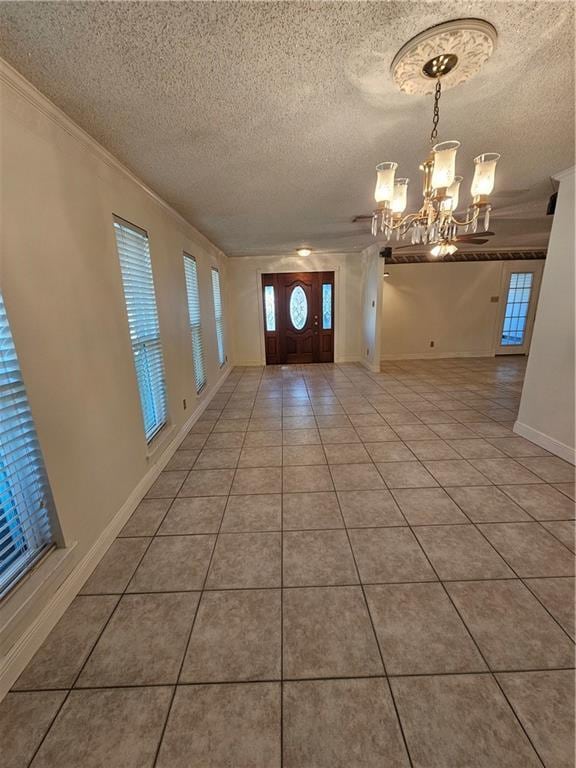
x: 298, y: 317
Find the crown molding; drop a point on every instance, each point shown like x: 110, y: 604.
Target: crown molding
x: 564, y: 175
x: 468, y: 256
x: 12, y: 79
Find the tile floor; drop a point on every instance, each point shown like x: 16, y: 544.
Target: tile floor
x: 336, y: 569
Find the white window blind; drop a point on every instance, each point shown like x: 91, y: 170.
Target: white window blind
x: 138, y: 282
x: 218, y: 315
x: 26, y: 506
x: 193, y: 293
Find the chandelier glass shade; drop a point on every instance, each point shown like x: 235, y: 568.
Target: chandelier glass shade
x: 436, y: 223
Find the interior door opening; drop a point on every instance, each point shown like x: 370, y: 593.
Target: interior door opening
x: 298, y: 317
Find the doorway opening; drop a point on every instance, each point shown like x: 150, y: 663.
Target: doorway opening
x: 298, y: 317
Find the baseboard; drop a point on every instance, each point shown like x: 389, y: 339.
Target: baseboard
x: 14, y: 662
x: 248, y: 364
x: 346, y: 359
x: 437, y: 355
x: 370, y: 366
x: 340, y: 359
x: 556, y: 447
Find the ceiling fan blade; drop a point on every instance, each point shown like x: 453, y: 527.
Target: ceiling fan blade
x: 471, y: 235
x: 362, y: 217
x: 416, y: 248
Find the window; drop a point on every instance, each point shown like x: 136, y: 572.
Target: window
x: 218, y: 314
x: 298, y: 308
x: 138, y: 282
x: 326, y: 306
x: 517, y: 305
x: 25, y: 500
x: 193, y: 293
x: 270, y: 307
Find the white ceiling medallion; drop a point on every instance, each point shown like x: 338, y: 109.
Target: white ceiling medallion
x: 472, y: 41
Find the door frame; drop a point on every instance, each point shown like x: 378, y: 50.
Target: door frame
x: 338, y: 306
x: 536, y: 267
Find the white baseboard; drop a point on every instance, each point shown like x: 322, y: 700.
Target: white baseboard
x: 18, y: 656
x: 337, y: 359
x: 370, y: 366
x: 346, y: 359
x: 437, y: 355
x: 562, y: 450
x: 248, y: 363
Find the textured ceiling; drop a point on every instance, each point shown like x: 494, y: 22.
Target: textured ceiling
x: 262, y: 122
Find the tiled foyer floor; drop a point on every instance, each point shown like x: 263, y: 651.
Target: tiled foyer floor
x: 336, y: 570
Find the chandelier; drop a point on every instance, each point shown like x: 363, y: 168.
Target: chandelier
x: 437, y: 222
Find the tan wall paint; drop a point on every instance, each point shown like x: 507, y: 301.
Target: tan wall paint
x: 60, y: 278
x: 546, y: 413
x: 372, y: 270
x: 448, y: 303
x: 246, y: 314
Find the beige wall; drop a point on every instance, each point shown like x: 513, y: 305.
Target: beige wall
x: 547, y: 408
x: 372, y: 270
x: 448, y: 303
x: 246, y: 315
x: 61, y: 281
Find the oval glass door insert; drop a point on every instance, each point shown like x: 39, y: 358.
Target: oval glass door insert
x: 298, y: 308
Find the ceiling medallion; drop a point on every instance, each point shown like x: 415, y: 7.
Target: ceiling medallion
x: 470, y: 41
x: 443, y: 56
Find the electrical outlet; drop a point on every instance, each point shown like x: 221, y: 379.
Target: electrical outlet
x: 431, y: 343
x: 184, y: 403
x: 494, y: 299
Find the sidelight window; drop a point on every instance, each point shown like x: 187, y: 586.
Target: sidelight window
x: 326, y: 306
x: 270, y: 307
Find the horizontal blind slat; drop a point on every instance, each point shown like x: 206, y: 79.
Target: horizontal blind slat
x: 142, y: 312
x: 217, y: 296
x: 25, y: 498
x: 195, y: 320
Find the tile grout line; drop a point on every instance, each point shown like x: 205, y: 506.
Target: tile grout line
x: 97, y: 639
x: 374, y: 634
x: 482, y: 656
x: 174, y: 685
x: 407, y: 406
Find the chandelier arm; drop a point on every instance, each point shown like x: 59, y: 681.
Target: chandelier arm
x: 408, y: 219
x: 467, y: 221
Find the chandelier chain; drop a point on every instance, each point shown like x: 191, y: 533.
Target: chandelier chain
x: 436, y: 115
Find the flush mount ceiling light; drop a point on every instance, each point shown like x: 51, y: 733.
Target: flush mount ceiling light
x: 443, y: 56
x: 303, y: 251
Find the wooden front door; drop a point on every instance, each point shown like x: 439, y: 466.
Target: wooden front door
x: 298, y: 317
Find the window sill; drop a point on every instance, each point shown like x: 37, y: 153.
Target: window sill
x: 37, y: 585
x: 160, y: 442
